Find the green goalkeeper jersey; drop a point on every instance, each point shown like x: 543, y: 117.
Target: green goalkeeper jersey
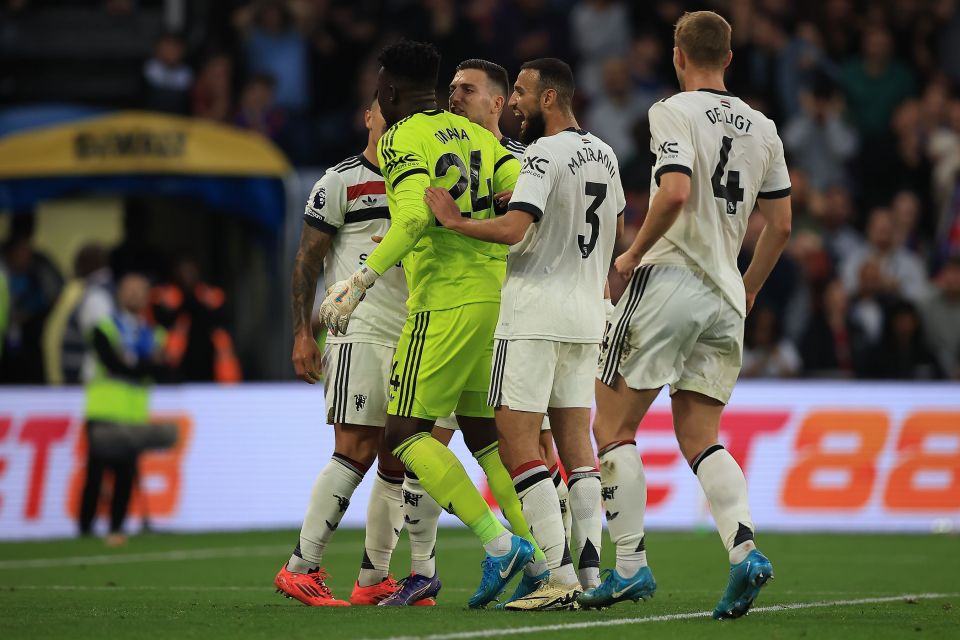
x: 436, y: 148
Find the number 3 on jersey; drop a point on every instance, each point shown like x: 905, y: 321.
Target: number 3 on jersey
x: 732, y: 192
x: 599, y: 192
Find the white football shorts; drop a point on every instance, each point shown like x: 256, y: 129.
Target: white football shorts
x: 357, y: 383
x: 673, y: 327
x: 535, y: 375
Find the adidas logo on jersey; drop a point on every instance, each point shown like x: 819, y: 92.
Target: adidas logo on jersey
x: 369, y: 201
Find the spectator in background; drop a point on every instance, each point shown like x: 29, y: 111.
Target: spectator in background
x: 528, y: 29
x: 643, y: 61
x: 213, y: 91
x: 588, y: 20
x: 34, y: 284
x: 902, y: 272
x: 167, y: 77
x: 941, y: 317
x: 766, y: 354
x: 906, y: 210
x: 833, y: 223
x: 85, y: 301
x: 782, y: 280
x: 818, y: 139
x: 612, y: 116
x: 258, y: 110
x: 803, y: 66
x: 870, y: 303
x: 827, y: 343
x: 875, y: 83
x: 903, y: 353
x: 198, y: 346
x: 274, y: 47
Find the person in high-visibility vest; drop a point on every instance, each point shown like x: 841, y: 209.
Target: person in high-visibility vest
x: 128, y: 353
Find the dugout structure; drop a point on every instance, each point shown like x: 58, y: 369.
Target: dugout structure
x: 51, y: 154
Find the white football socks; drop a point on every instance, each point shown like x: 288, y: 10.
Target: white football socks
x: 328, y: 502
x: 726, y: 491
x: 421, y: 514
x: 584, y: 487
x: 384, y: 523
x: 624, y: 491
x: 563, y: 494
x: 541, y: 510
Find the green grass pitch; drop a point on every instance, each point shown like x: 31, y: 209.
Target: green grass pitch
x: 215, y: 586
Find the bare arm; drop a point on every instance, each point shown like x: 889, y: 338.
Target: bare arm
x: 506, y: 229
x: 314, y: 245
x: 664, y: 211
x: 770, y: 245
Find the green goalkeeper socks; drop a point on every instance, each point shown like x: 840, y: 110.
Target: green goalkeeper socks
x: 445, y: 479
x: 501, y: 484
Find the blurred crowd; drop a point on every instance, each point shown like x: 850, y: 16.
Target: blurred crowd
x: 47, y: 318
x: 864, y: 93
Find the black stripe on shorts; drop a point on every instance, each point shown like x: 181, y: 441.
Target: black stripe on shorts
x: 638, y: 284
x: 495, y: 394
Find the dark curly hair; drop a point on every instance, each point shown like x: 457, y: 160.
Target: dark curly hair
x: 415, y: 63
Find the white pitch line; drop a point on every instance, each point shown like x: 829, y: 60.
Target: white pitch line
x: 209, y: 553
x: 569, y: 626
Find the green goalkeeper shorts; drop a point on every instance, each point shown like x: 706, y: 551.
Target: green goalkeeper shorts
x: 442, y: 363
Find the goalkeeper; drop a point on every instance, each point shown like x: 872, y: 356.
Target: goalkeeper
x: 442, y: 363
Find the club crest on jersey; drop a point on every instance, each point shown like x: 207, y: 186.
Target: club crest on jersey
x: 320, y: 198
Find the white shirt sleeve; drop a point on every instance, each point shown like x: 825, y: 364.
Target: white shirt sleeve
x: 327, y: 203
x: 776, y: 184
x: 670, y: 141
x: 538, y: 174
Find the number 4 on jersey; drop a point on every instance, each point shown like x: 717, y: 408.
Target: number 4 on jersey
x: 732, y: 192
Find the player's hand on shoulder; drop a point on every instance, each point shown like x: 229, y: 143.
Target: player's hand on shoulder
x: 626, y: 263
x: 443, y: 206
x: 307, y: 359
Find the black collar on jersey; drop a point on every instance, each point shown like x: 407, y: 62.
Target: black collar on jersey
x: 578, y: 131
x: 369, y: 165
x: 432, y: 112
x: 718, y: 92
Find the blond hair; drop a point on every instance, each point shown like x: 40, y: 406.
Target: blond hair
x: 704, y: 37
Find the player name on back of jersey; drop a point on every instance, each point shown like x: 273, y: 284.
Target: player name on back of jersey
x: 591, y: 153
x: 727, y: 115
x: 447, y: 134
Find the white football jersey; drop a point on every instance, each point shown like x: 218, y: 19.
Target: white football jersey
x: 733, y: 156
x: 350, y: 203
x: 570, y: 184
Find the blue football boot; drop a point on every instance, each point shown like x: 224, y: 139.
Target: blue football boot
x: 746, y: 580
x: 526, y: 586
x: 415, y: 590
x: 615, y: 588
x: 498, y: 570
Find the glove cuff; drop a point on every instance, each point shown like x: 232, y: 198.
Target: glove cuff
x: 366, y: 276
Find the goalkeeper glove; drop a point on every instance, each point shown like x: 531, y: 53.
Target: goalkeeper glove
x: 343, y: 297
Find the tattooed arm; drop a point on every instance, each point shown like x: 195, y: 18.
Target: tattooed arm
x: 314, y: 245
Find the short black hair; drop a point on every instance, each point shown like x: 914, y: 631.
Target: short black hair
x: 495, y: 73
x: 416, y: 63
x: 554, y: 74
